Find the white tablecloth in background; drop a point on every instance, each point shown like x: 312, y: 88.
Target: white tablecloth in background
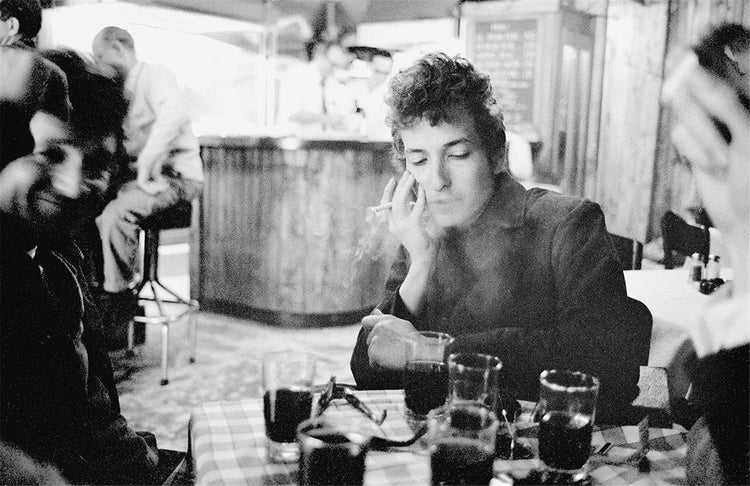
x: 675, y: 305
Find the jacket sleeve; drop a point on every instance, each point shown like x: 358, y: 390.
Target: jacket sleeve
x: 111, y: 452
x: 721, y: 382
x: 367, y: 376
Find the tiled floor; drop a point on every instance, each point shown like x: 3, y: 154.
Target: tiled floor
x: 228, y: 365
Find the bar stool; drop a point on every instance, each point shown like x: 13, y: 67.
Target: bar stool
x: 178, y: 216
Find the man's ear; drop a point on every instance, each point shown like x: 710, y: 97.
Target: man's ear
x: 14, y: 26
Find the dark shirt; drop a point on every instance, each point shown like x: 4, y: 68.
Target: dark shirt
x: 58, y: 402
x: 536, y: 282
x: 720, y: 384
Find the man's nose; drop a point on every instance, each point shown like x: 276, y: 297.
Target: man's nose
x: 439, y: 175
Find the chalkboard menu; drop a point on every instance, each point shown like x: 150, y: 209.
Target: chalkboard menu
x: 506, y: 51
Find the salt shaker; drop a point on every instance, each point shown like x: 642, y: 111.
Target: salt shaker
x: 712, y: 267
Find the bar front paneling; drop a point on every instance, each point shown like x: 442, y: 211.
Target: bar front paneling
x: 284, y: 232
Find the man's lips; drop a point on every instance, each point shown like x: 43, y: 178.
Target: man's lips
x: 440, y: 202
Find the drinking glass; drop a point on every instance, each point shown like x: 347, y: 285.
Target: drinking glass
x: 474, y: 377
x: 287, y: 401
x: 461, y: 439
x: 332, y: 452
x: 566, y: 411
x: 426, y: 374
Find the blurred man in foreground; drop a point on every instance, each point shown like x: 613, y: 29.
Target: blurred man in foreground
x: 58, y: 402
x: 718, y: 447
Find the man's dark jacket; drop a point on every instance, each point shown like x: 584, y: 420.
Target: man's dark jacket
x: 58, y: 401
x: 536, y: 282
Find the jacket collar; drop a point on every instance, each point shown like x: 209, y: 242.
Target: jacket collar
x: 506, y: 207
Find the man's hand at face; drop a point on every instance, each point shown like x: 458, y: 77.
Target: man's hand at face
x: 151, y: 185
x: 388, y: 341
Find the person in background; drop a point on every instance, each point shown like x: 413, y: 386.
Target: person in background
x: 58, y: 401
x: 20, y: 21
x: 718, y: 448
x: 312, y: 96
x: 165, y: 168
x: 528, y: 276
x: 371, y: 95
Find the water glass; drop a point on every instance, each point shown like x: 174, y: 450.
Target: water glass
x: 461, y: 439
x: 474, y: 377
x: 287, y: 401
x: 566, y: 411
x: 426, y: 374
x: 332, y: 452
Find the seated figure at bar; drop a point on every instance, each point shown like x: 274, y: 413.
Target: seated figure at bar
x: 163, y: 168
x: 58, y: 401
x: 529, y: 276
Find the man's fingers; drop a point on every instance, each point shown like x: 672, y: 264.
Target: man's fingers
x: 421, y: 201
x: 388, y: 191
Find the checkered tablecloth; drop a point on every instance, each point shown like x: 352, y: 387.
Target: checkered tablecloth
x: 227, y: 447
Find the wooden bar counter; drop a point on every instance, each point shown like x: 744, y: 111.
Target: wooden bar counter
x: 283, y: 234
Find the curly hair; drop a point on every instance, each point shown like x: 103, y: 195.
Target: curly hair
x: 27, y: 12
x: 432, y: 89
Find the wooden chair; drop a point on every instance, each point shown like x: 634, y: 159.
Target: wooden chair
x: 629, y: 251
x: 682, y: 237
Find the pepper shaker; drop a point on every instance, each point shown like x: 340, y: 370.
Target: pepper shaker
x: 695, y: 268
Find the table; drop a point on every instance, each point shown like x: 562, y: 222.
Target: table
x: 675, y: 305
x: 227, y: 446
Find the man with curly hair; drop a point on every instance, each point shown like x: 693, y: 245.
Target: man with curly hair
x: 530, y: 276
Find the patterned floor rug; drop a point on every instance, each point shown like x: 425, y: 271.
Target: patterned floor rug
x: 228, y: 367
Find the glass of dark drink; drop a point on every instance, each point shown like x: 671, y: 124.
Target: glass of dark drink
x: 566, y: 411
x: 461, y: 440
x: 426, y: 374
x: 287, y: 401
x: 331, y: 452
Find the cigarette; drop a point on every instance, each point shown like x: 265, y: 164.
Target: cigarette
x: 382, y: 207
x: 388, y: 205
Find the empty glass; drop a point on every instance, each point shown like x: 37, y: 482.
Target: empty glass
x: 474, y: 377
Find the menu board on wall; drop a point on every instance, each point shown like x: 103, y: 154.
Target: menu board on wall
x: 506, y: 51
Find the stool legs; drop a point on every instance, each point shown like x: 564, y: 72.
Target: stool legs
x: 131, y: 339
x: 164, y: 353
x: 193, y: 333
x: 165, y: 320
x: 190, y: 307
